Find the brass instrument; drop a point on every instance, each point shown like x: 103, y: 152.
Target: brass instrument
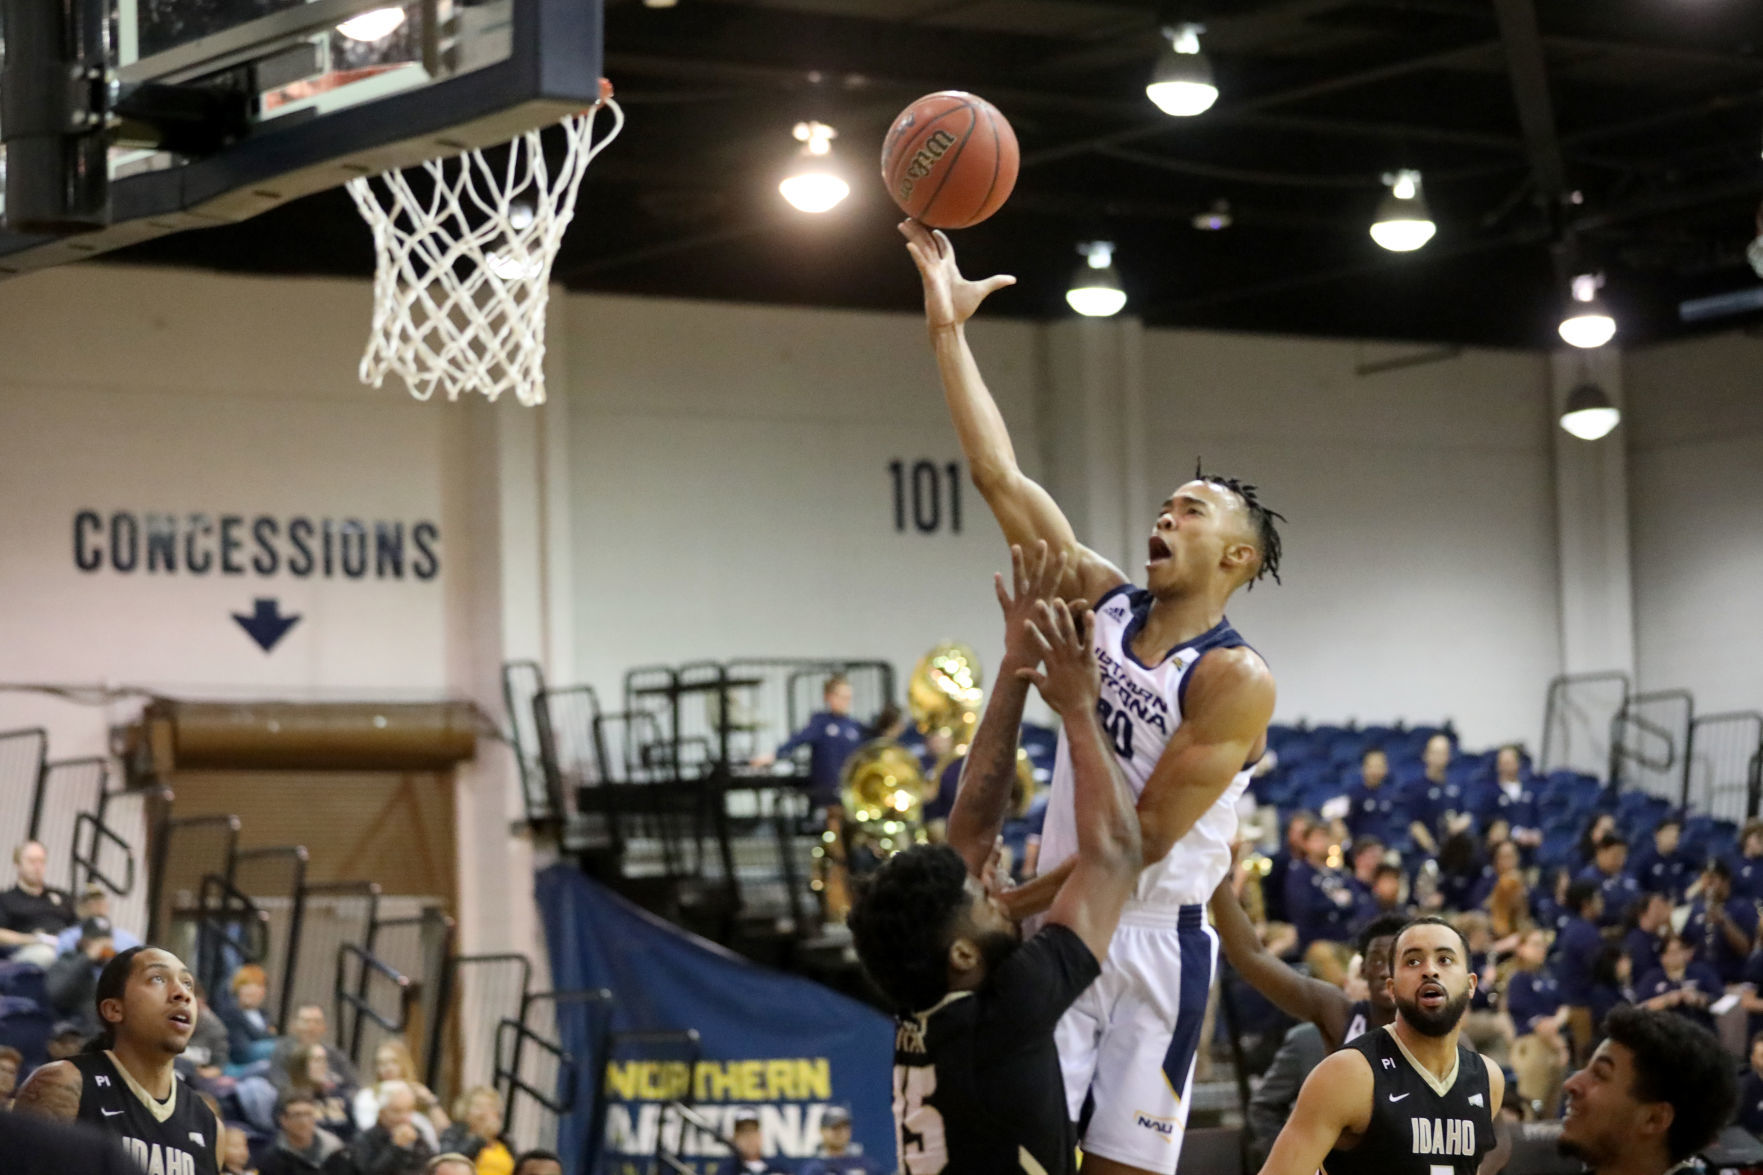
x: 945, y: 692
x: 1256, y: 866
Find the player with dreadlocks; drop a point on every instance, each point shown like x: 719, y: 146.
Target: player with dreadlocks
x: 1184, y: 703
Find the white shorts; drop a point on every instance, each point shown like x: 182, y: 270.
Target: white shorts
x: 1127, y: 1045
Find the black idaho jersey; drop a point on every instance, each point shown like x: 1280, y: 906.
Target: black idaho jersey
x: 977, y: 1087
x: 173, y: 1137
x: 1358, y: 1022
x: 1415, y: 1129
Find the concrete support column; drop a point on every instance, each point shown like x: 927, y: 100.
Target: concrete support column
x: 1591, y: 509
x: 1092, y: 423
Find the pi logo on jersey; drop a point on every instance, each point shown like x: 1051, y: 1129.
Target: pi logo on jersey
x: 1388, y: 1063
x: 103, y: 1080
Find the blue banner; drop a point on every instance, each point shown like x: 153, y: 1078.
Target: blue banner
x: 779, y: 1045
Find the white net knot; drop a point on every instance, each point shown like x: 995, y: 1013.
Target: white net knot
x: 463, y: 269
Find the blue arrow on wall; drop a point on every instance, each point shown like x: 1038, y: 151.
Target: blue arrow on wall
x: 266, y: 625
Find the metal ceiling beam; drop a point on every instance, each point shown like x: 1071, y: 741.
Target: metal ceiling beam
x: 1530, y: 91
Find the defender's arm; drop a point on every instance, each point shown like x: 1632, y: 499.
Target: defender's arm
x: 1336, y: 1097
x: 1322, y: 1004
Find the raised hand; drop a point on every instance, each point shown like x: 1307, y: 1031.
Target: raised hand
x: 949, y: 298
x: 1035, y: 580
x: 1071, y: 681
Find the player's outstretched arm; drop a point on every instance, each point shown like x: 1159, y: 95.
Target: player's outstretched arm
x: 989, y: 772
x: 1322, y: 1004
x: 1109, y: 856
x: 52, y: 1092
x: 1229, y: 703
x: 1336, y: 1097
x: 1024, y: 510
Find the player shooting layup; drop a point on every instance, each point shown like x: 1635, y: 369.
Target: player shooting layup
x: 1185, y: 703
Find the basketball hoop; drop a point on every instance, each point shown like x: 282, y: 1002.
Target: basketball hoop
x: 463, y: 273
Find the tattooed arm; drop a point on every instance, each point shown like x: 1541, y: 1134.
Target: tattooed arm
x: 52, y: 1092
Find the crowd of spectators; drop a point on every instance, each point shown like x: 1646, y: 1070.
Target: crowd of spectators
x: 1574, y: 900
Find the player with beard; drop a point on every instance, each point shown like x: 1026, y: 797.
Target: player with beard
x: 977, y: 1085
x: 123, y: 1083
x: 1655, y: 1092
x: 1406, y: 1099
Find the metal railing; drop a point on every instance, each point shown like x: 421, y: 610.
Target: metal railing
x: 275, y: 879
x: 333, y: 914
x: 416, y: 947
x: 230, y: 930
x: 688, y: 1118
x: 477, y: 992
x: 1577, y: 722
x: 68, y: 789
x: 22, y: 755
x: 355, y: 1004
x: 523, y: 683
x: 536, y: 1071
x: 1648, y: 740
x: 1724, y: 764
x: 205, y: 845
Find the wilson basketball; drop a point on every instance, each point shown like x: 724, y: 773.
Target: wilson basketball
x: 950, y: 160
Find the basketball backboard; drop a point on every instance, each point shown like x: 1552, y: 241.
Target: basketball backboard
x: 123, y: 120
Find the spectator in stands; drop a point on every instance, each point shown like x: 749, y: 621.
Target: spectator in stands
x: 1511, y: 798
x: 1681, y: 984
x: 206, y: 1054
x: 94, y: 903
x: 1750, y: 1106
x: 1552, y: 910
x: 1273, y: 887
x: 1485, y: 1026
x: 1721, y: 928
x: 1576, y: 955
x: 1364, y: 858
x: 1386, y: 896
x: 1606, y: 871
x: 1612, y: 984
x: 476, y: 1131
x: 1460, y: 868
x: 1504, y: 865
x: 1747, y: 873
x: 1435, y: 804
x: 451, y: 1163
x: 32, y: 914
x: 308, y: 1028
x: 1644, y: 926
x: 538, y: 1162
x: 1601, y: 825
x: 312, y: 1068
x: 831, y: 735
x: 393, y: 1145
x: 11, y: 1061
x: 235, y: 1151
x: 392, y: 1062
x: 250, y: 1032
x: 1319, y: 904
x: 1539, y: 1050
x: 301, y: 1144
x: 1660, y: 867
x: 1372, y: 808
x: 66, y: 1040
x: 749, y: 1157
x: 837, y: 1156
x: 72, y: 980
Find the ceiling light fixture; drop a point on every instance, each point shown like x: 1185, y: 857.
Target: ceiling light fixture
x: 1587, y: 322
x: 1215, y: 218
x: 1181, y: 84
x: 1095, y: 291
x: 814, y: 183
x: 376, y: 25
x: 1404, y: 222
x: 1589, y: 415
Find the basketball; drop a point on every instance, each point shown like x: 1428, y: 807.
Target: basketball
x: 950, y: 160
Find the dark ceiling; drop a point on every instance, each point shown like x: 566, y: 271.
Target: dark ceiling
x: 1555, y: 136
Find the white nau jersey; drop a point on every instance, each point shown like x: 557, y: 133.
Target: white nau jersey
x: 1140, y: 708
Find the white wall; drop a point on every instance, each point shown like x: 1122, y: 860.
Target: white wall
x: 1420, y: 558
x: 1695, y: 444
x: 733, y: 496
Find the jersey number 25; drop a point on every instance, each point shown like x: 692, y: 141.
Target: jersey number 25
x: 923, y: 1149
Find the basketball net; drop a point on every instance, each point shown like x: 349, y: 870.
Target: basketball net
x: 463, y: 271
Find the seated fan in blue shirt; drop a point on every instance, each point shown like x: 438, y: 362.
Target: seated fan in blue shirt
x: 1533, y: 1001
x: 1606, y: 872
x: 1682, y: 984
x: 830, y: 734
x: 1662, y: 867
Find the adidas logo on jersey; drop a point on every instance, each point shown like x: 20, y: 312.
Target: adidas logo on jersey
x: 1446, y: 1136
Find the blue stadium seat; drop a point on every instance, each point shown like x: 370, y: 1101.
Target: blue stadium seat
x: 25, y: 1025
x: 24, y: 981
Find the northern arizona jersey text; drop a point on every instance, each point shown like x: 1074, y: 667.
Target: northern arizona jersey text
x: 1140, y: 708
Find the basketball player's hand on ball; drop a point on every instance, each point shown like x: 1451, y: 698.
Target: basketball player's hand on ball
x: 949, y: 298
x: 1035, y: 579
x: 1070, y: 680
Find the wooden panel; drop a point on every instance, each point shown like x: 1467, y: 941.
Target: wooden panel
x: 394, y: 829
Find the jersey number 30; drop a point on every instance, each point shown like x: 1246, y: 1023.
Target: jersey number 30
x: 1117, y: 724
x: 923, y: 1149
